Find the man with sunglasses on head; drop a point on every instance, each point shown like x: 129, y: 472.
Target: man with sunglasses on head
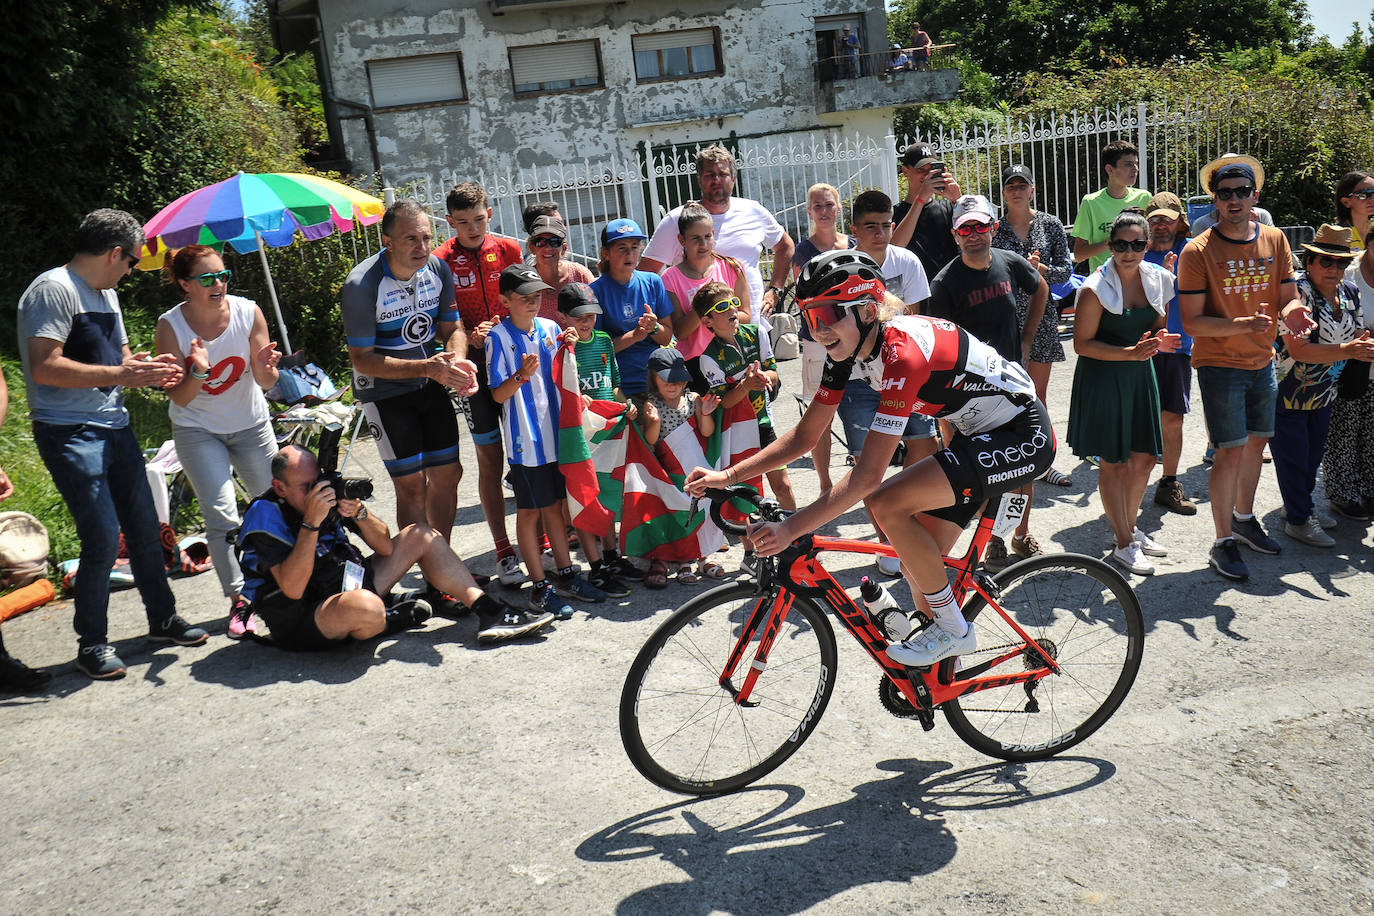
x: 1235, y: 282
x: 77, y: 363
x: 920, y: 365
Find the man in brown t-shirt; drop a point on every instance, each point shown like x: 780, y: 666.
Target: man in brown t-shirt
x: 1234, y: 281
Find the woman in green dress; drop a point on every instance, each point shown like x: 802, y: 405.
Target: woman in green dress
x: 1114, y: 414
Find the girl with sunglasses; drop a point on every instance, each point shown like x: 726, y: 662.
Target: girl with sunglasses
x: 918, y: 365
x: 700, y: 265
x: 1114, y: 412
x: 219, y: 415
x: 1355, y: 205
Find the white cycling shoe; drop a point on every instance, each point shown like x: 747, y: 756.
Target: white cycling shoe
x: 931, y: 645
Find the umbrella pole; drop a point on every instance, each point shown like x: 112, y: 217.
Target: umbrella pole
x: 272, y: 291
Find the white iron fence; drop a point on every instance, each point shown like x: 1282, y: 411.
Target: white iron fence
x: 1063, y: 150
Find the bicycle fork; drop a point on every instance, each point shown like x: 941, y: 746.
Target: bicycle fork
x: 773, y: 605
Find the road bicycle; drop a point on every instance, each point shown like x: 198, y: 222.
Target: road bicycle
x: 735, y: 681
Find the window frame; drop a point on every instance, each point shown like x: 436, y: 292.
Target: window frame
x: 715, y: 49
x: 543, y: 90
x: 462, y: 99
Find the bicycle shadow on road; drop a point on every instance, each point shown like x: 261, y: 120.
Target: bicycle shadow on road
x: 745, y: 853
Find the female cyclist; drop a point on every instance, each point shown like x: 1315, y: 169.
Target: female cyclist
x: 917, y: 365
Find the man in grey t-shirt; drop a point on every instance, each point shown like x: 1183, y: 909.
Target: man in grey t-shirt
x: 77, y: 362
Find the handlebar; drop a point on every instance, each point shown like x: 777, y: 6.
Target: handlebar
x: 719, y: 496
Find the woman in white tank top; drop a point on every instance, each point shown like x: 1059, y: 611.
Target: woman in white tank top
x: 219, y: 416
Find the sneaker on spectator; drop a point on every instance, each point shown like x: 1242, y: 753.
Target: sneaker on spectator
x: 889, y: 566
x: 547, y: 601
x: 175, y: 630
x: 1309, y: 532
x: 509, y: 623
x: 1132, y: 559
x: 1352, y: 509
x: 407, y: 615
x: 100, y: 662
x: 444, y: 604
x: 1225, y: 559
x: 750, y: 564
x: 606, y: 580
x: 995, y: 558
x: 1169, y: 494
x: 238, y: 619
x: 578, y: 588
x: 1207, y: 457
x: 1324, y: 520
x: 930, y: 645
x: 15, y: 675
x: 1148, y: 545
x: 627, y: 569
x: 1025, y: 545
x: 1252, y: 534
x: 511, y: 574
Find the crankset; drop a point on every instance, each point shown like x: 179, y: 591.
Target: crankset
x: 897, y: 704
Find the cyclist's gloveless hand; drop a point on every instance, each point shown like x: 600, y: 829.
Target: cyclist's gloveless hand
x: 771, y: 538
x: 701, y: 479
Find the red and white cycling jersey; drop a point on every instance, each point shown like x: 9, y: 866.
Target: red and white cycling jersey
x: 934, y: 367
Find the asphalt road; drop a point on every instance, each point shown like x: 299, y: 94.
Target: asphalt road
x: 427, y: 773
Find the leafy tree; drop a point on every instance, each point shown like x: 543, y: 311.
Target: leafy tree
x: 1010, y: 38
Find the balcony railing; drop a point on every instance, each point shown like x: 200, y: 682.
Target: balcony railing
x: 882, y: 63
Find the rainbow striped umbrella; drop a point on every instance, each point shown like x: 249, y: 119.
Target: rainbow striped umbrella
x: 247, y: 212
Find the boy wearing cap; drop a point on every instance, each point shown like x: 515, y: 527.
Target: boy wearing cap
x: 1234, y: 281
x: 1092, y: 227
x: 598, y: 378
x: 636, y: 310
x: 519, y: 354
x: 923, y: 219
x: 1173, y: 371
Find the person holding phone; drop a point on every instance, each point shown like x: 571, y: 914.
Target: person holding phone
x: 923, y: 221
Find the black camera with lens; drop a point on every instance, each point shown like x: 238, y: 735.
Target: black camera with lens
x: 328, y: 459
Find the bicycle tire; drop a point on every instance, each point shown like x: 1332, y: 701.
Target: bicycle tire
x: 1090, y: 618
x: 685, y: 733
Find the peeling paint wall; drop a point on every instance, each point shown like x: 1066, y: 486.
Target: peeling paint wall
x: 767, y: 87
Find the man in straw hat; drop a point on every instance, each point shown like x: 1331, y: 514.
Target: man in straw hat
x: 1235, y: 282
x: 1209, y: 219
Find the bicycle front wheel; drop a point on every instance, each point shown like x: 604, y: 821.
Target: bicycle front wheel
x: 685, y: 731
x: 1087, y: 618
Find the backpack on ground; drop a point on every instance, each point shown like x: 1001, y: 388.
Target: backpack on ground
x: 23, y: 549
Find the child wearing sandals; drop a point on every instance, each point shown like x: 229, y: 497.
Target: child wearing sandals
x: 668, y: 406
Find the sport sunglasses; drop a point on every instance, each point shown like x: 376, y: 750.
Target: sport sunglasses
x: 820, y: 315
x: 210, y: 279
x: 724, y: 305
x: 968, y: 229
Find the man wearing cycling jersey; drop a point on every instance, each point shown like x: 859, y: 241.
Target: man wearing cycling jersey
x: 476, y: 260
x: 397, y: 305
x: 918, y: 365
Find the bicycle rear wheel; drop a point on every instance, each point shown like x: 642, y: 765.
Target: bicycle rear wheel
x: 1087, y: 617
x: 685, y: 732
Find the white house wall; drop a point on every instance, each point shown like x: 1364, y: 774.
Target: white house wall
x: 766, y: 47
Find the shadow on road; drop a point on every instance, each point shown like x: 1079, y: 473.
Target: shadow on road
x: 752, y: 852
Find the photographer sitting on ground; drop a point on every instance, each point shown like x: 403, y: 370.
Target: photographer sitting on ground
x: 314, y: 587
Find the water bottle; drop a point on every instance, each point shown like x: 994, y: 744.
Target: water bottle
x: 883, y: 610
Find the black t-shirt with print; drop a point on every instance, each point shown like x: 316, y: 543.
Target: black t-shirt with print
x: 983, y: 302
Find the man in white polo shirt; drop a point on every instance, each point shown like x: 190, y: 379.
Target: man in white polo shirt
x: 743, y: 228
